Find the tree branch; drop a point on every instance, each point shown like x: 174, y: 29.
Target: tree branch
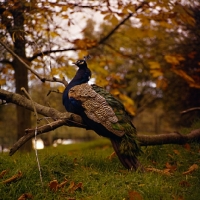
x: 170, y: 138
x: 75, y: 49
x: 190, y: 110
x: 145, y: 140
x: 120, y: 23
x: 51, y: 51
x: 70, y: 119
x: 102, y: 41
x: 114, y: 29
x: 43, y: 79
x: 30, y: 133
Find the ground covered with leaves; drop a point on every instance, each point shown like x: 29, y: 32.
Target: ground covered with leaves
x: 87, y: 171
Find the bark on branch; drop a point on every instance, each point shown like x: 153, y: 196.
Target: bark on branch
x: 170, y: 138
x: 70, y: 119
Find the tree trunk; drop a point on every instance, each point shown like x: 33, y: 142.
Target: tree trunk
x: 21, y: 73
x: 23, y: 115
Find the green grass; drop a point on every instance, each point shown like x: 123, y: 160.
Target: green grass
x: 102, y: 179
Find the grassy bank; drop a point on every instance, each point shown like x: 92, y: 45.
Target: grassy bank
x: 86, y: 172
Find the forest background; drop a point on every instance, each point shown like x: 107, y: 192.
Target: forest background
x: 144, y: 52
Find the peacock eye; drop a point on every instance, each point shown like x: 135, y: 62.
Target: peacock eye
x: 81, y: 62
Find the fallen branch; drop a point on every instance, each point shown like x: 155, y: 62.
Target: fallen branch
x: 170, y: 138
x: 30, y: 133
x: 13, y: 178
x: 70, y: 119
x: 145, y: 140
x: 60, y: 119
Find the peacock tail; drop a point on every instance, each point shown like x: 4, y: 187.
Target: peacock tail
x: 101, y: 108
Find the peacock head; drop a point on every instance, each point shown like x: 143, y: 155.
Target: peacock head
x: 82, y: 63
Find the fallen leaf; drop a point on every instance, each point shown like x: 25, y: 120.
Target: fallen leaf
x: 25, y: 196
x: 61, y: 185
x: 166, y: 172
x: 171, y: 167
x: 78, y: 186
x: 3, y: 173
x: 163, y: 172
x: 184, y: 184
x: 176, y: 151
x: 53, y: 185
x: 187, y: 146
x: 178, y: 197
x: 191, y: 169
x: 13, y: 178
x: 141, y: 185
x: 134, y: 195
x: 73, y: 187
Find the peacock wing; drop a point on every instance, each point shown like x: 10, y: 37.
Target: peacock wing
x: 123, y: 117
x: 128, y: 143
x: 97, y: 108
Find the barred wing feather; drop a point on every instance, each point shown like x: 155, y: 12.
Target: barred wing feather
x: 96, y: 108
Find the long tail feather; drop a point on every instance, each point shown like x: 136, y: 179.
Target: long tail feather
x: 128, y: 161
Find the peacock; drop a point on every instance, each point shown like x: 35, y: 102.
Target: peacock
x: 104, y: 114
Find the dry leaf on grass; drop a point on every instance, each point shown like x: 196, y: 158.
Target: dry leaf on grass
x: 191, y: 169
x: 172, y: 168
x: 163, y: 172
x: 187, y: 146
x: 25, y: 196
x: 13, y: 178
x: 53, y: 185
x: 61, y: 185
x: 134, y: 195
x: 176, y: 152
x: 73, y: 187
x: 3, y: 173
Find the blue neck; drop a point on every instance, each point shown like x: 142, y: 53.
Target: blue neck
x: 82, y: 76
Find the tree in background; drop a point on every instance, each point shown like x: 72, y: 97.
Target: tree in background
x: 153, y: 60
x: 135, y: 50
